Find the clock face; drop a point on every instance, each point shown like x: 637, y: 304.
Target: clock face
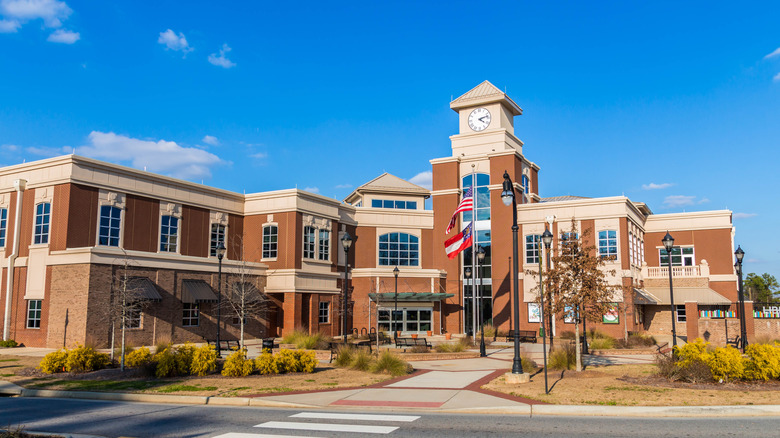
x: 479, y: 119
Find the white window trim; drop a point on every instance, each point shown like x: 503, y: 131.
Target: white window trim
x: 113, y: 199
x: 197, y: 306
x: 174, y: 210
x: 416, y: 233
x: 682, y: 256
x: 617, y: 242
x: 219, y: 218
x: 27, y: 316
x: 262, y: 242
x: 319, y: 312
x: 317, y: 224
x: 539, y: 246
x: 140, y: 321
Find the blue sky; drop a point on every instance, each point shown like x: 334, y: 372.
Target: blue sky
x: 676, y: 104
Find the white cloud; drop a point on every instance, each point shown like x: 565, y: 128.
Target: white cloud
x: 315, y: 190
x: 210, y: 139
x: 678, y: 201
x: 744, y: 215
x: 423, y: 179
x: 703, y: 201
x: 774, y: 54
x: 174, y: 42
x: 9, y: 26
x: 221, y: 60
x: 52, y: 12
x: 161, y: 156
x: 63, y: 36
x: 259, y: 155
x: 49, y: 152
x: 757, y: 261
x: 654, y: 186
x: 347, y: 186
x: 776, y: 78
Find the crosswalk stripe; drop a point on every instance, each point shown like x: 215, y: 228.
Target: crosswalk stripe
x: 359, y: 428
x: 356, y: 417
x: 258, y: 435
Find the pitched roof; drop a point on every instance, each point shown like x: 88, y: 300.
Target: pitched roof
x: 387, y: 183
x: 485, y: 93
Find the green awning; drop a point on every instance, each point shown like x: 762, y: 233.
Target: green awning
x: 409, y: 296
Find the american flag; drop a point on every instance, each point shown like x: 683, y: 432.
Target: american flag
x: 466, y: 204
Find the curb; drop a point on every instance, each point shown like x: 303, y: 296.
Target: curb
x: 656, y: 411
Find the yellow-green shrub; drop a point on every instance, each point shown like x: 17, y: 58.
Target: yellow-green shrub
x: 54, y: 362
x: 692, y: 352
x: 183, y: 356
x: 726, y: 364
x: 204, y: 360
x: 166, y: 363
x: 307, y: 361
x: 138, y: 357
x: 763, y: 362
x: 237, y: 365
x: 82, y: 359
x: 286, y: 362
x: 266, y: 364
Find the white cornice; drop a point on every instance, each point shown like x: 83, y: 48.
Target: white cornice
x: 405, y: 273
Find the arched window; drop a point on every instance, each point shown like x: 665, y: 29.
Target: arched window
x: 399, y: 249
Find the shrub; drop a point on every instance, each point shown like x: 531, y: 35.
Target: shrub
x: 166, y: 363
x: 83, y: 359
x: 8, y: 344
x: 361, y: 360
x: 567, y: 335
x: 392, y: 364
x: 286, y: 362
x: 183, y: 356
x: 602, y: 343
x: 54, y: 362
x: 344, y: 356
x: 204, y: 360
x: 563, y: 357
x: 636, y: 340
x: 266, y: 364
x: 726, y: 364
x: 307, y: 361
x: 305, y: 341
x: 692, y: 352
x: 489, y: 330
x: 138, y: 357
x: 456, y: 347
x: 527, y: 363
x: 237, y: 365
x: 419, y: 349
x: 763, y: 361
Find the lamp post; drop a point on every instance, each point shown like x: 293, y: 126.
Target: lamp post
x: 346, y: 242
x: 668, y: 241
x: 392, y: 319
x: 220, y: 254
x: 547, y: 238
x: 480, y: 273
x: 508, y: 197
x: 742, y: 329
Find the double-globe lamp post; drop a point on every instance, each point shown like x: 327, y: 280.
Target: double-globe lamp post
x: 480, y: 274
x: 668, y: 242
x: 220, y: 255
x: 509, y: 199
x: 346, y: 242
x: 739, y: 254
x: 396, y: 271
x: 547, y: 238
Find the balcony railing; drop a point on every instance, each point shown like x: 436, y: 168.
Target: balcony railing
x: 702, y: 270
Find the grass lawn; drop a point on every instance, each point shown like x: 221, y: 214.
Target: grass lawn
x: 635, y: 385
x: 20, y: 370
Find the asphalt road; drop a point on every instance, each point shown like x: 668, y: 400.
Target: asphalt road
x: 115, y: 419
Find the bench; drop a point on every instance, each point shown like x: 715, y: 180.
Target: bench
x: 224, y: 344
x: 411, y: 342
x: 524, y: 335
x: 335, y: 346
x: 735, y: 342
x: 383, y: 338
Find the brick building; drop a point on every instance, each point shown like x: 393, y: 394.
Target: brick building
x: 72, y: 228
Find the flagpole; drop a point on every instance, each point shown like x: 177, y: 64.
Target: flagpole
x: 473, y: 255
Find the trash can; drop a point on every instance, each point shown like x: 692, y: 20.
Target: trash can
x: 268, y: 345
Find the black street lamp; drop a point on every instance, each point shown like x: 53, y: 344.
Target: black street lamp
x: 509, y: 198
x: 392, y: 319
x: 547, y: 238
x: 346, y: 242
x: 220, y: 254
x: 480, y: 273
x: 669, y: 245
x: 742, y: 329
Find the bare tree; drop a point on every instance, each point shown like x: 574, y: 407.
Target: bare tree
x: 126, y: 303
x: 243, y: 296
x: 576, y: 283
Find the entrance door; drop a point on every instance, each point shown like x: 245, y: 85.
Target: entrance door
x: 407, y: 320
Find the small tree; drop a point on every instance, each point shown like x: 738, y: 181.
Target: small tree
x: 761, y: 289
x: 244, y: 298
x: 577, y: 283
x: 126, y: 303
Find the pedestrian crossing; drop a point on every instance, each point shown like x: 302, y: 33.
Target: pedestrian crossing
x: 328, y: 423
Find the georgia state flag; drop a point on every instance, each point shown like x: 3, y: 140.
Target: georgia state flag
x: 459, y: 242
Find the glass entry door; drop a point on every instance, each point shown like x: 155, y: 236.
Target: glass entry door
x: 412, y: 320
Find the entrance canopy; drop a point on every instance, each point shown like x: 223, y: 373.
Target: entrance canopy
x: 426, y: 297
x: 701, y: 295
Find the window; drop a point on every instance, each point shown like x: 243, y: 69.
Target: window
x: 399, y: 249
x: 324, y: 247
x: 526, y: 184
x: 3, y: 223
x: 681, y: 317
x: 308, y: 242
x: 191, y: 315
x: 270, y: 236
x: 237, y: 321
x: 324, y: 312
x: 532, y: 248
x: 481, y: 197
x: 217, y: 236
x: 108, y: 233
x: 42, y: 216
x: 680, y: 256
x: 133, y: 318
x: 169, y: 233
x: 608, y: 244
x: 390, y: 203
x: 34, y: 313
x: 570, y: 236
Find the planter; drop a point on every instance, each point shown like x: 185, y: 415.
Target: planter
x: 429, y: 333
x: 414, y: 336
x: 448, y: 336
x: 398, y: 334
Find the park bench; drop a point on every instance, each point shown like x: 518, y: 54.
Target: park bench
x: 734, y: 342
x: 524, y: 335
x: 335, y: 346
x: 411, y: 342
x: 383, y: 338
x: 224, y: 344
